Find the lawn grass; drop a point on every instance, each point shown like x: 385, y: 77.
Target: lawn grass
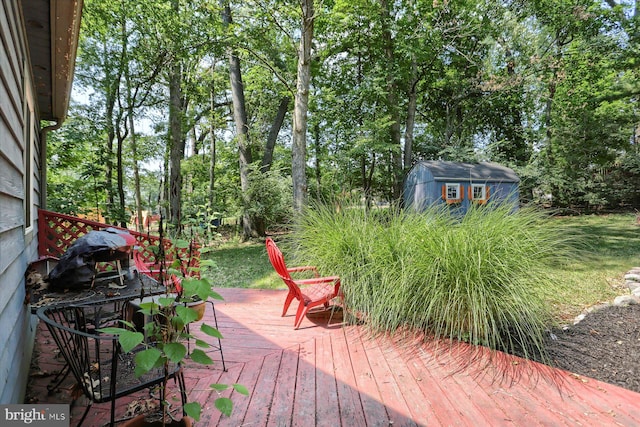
x: 242, y: 265
x: 612, y: 247
x: 596, y: 276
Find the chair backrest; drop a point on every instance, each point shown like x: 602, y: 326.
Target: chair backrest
x: 88, y: 354
x: 277, y: 261
x: 96, y: 360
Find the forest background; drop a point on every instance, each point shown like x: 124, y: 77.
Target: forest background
x: 208, y: 109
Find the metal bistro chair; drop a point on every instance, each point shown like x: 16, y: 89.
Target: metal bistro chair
x: 309, y: 292
x: 103, y: 372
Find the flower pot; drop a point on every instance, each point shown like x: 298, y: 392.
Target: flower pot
x: 142, y: 421
x: 197, y: 305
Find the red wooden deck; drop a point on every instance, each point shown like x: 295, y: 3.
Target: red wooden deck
x: 329, y: 375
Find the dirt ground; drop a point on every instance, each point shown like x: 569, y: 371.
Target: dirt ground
x: 605, y: 346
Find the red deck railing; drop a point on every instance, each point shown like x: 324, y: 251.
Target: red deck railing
x: 56, y: 232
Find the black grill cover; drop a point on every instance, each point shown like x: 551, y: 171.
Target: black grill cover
x: 77, y: 267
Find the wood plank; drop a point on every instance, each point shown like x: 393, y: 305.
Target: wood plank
x: 260, y: 405
x: 467, y: 413
x: 304, y: 403
x: 370, y: 398
x: 418, y: 403
x: 348, y: 394
x: 248, y: 378
x: 397, y: 409
x: 11, y: 183
x: 446, y: 411
x: 210, y: 414
x: 596, y: 409
x: 327, y: 410
x: 285, y: 386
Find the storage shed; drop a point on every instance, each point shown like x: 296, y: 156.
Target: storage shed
x: 459, y: 184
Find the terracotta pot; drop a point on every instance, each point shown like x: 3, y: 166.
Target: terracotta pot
x: 198, y: 306
x: 140, y: 421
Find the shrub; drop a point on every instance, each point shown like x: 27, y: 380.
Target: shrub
x: 480, y: 278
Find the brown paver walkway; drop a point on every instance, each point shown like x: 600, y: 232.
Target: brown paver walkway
x: 325, y: 374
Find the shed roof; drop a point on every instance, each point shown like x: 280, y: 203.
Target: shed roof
x: 483, y: 171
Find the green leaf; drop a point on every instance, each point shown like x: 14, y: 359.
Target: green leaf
x: 187, y: 314
x: 175, y: 351
x: 224, y: 405
x: 201, y: 357
x: 146, y: 360
x: 181, y: 244
x: 201, y: 343
x: 215, y: 295
x: 129, y: 340
x: 219, y: 387
x: 149, y: 308
x: 112, y: 331
x: 174, y: 268
x: 211, y: 331
x: 193, y: 409
x: 166, y: 301
x: 241, y: 389
x: 208, y: 263
x: 199, y: 287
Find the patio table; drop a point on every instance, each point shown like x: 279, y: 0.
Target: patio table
x: 106, y: 289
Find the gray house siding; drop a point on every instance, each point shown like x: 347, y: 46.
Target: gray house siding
x: 19, y: 194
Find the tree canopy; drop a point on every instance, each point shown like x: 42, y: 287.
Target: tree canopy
x: 339, y: 98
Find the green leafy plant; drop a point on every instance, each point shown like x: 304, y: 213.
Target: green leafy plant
x: 165, y: 335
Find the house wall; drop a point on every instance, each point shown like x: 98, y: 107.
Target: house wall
x: 19, y: 194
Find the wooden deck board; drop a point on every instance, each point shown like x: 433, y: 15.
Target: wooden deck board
x: 326, y: 374
x: 304, y: 403
x: 327, y: 409
x: 348, y: 393
x: 370, y: 397
x: 285, y: 387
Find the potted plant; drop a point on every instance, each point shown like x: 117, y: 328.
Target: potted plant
x: 164, y: 336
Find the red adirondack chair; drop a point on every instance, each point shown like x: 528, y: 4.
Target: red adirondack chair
x: 309, y: 292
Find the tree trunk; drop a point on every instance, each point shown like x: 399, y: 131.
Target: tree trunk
x: 177, y: 147
x: 176, y: 138
x: 112, y: 83
x: 317, y: 154
x: 267, y: 159
x: 301, y: 107
x: 392, y: 102
x: 212, y: 135
x: 111, y: 135
x: 411, y: 117
x: 134, y: 143
x: 242, y: 130
x: 121, y: 220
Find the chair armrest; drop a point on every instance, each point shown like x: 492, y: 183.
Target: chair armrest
x: 316, y: 280
x: 304, y: 268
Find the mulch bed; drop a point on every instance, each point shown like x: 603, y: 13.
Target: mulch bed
x: 604, y: 346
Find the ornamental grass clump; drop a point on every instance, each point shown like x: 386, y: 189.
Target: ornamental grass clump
x: 479, y: 278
